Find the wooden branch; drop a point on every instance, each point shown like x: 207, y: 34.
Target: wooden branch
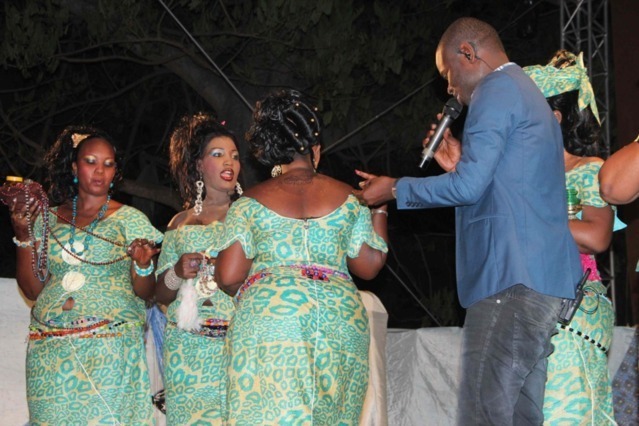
x: 156, y: 193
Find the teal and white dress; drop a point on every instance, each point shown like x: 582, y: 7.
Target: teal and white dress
x: 87, y: 365
x: 298, y: 343
x: 194, y: 369
x: 578, y: 389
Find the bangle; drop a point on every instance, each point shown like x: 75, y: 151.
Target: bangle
x: 23, y: 244
x: 379, y: 211
x: 143, y: 272
x: 171, y: 280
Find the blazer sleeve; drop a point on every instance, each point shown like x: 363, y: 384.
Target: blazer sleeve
x: 486, y: 132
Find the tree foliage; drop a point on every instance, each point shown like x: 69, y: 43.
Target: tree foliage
x: 128, y: 67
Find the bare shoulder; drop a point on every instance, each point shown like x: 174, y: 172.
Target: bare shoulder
x: 177, y: 220
x: 259, y: 190
x: 592, y: 160
x: 335, y: 185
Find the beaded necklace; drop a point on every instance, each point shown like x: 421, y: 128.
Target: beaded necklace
x: 83, y: 260
x: 77, y: 255
x: 76, y: 247
x: 93, y: 234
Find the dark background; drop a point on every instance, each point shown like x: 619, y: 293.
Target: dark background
x: 130, y: 69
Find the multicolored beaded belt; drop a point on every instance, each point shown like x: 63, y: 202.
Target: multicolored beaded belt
x: 585, y: 337
x: 311, y: 272
x: 100, y: 329
x: 210, y: 327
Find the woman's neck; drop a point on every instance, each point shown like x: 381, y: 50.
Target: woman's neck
x: 88, y: 204
x: 215, y: 198
x: 299, y: 164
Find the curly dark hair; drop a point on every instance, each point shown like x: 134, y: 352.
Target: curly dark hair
x: 579, y: 128
x: 187, y: 145
x: 62, y: 154
x: 283, y: 125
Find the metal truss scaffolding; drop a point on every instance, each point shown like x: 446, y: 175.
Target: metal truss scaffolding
x: 584, y: 28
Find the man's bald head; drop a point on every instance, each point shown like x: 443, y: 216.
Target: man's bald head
x: 479, y: 34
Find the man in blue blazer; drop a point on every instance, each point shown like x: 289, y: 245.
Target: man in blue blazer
x: 516, y: 259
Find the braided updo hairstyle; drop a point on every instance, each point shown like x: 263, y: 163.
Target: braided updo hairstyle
x: 283, y: 125
x: 64, y: 153
x: 187, y: 145
x: 579, y: 128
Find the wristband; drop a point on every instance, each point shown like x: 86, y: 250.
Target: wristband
x: 143, y: 272
x: 171, y: 280
x: 379, y: 211
x: 22, y: 244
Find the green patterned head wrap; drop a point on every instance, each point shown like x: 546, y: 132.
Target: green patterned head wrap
x: 565, y: 72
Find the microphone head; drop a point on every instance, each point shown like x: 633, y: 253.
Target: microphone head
x: 452, y: 108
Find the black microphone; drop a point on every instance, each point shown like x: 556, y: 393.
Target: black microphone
x: 451, y: 111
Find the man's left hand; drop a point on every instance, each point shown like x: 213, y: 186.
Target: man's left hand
x: 376, y: 190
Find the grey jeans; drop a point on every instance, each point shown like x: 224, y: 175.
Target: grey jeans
x: 506, y: 342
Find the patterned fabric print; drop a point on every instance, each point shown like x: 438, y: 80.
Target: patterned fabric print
x: 76, y: 380
x: 194, y: 372
x: 63, y: 375
x: 578, y: 388
x: 625, y: 386
x: 194, y: 378
x: 298, y: 345
x: 584, y: 179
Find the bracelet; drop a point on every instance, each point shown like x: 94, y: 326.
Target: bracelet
x: 172, y: 281
x: 23, y: 244
x: 143, y: 272
x: 379, y: 211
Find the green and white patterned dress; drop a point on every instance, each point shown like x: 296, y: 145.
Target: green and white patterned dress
x: 194, y: 367
x: 298, y: 343
x: 87, y: 365
x: 578, y: 390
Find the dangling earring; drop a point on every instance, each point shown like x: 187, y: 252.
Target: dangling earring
x: 111, y: 185
x: 276, y: 170
x: 75, y: 179
x: 197, y: 208
x: 238, y: 189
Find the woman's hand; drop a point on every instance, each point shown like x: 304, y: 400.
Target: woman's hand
x: 188, y: 265
x: 23, y: 211
x: 142, y: 251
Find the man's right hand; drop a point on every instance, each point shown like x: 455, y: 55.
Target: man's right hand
x: 449, y: 151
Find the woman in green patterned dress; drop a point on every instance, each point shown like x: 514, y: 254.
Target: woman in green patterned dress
x: 86, y: 362
x: 298, y: 343
x: 578, y: 388
x: 205, y: 163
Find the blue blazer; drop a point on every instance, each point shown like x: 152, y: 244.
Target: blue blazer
x: 509, y: 192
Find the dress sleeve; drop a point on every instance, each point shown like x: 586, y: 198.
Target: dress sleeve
x: 588, y: 192
x: 589, y: 186
x: 237, y: 227
x: 168, y: 255
x: 363, y: 232
x: 37, y: 224
x: 137, y: 225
